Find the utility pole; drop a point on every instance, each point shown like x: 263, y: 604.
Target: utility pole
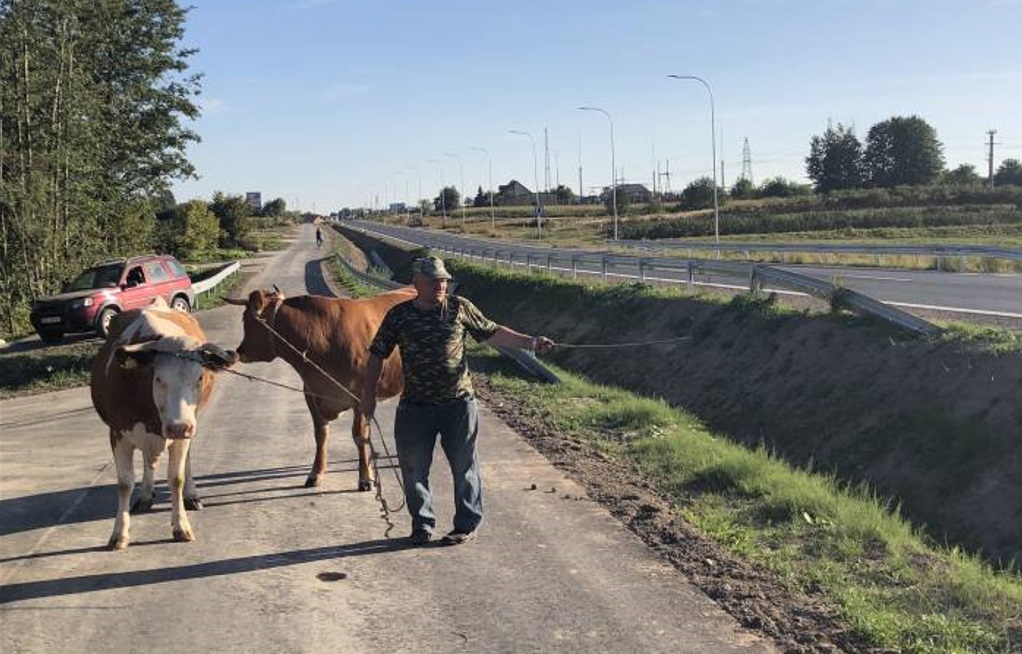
x: 581, y: 191
x: 990, y: 159
x: 723, y: 184
x: 546, y: 160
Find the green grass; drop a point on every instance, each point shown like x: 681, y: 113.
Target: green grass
x: 992, y: 339
x: 49, y: 369
x: 895, y: 588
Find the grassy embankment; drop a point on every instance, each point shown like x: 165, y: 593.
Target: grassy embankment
x: 894, y: 586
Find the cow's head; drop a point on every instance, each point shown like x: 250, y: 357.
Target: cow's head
x: 259, y: 343
x: 183, y: 370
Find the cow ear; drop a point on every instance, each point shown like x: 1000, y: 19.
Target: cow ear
x: 216, y: 358
x: 133, y: 359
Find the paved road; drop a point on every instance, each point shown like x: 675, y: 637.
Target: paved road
x: 990, y: 294
x: 281, y: 568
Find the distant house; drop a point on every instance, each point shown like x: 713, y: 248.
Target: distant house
x: 634, y: 192
x: 513, y: 193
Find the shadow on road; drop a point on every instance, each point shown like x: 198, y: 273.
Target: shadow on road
x: 90, y: 583
x: 91, y: 503
x: 315, y: 282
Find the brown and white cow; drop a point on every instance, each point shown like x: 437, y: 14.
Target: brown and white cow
x: 333, y: 333
x: 149, y: 381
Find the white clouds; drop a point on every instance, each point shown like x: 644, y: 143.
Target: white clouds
x: 211, y: 105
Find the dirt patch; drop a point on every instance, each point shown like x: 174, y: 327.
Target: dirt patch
x: 798, y: 623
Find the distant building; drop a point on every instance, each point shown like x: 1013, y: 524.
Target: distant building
x: 397, y: 207
x: 513, y: 193
x: 634, y: 192
x: 254, y: 199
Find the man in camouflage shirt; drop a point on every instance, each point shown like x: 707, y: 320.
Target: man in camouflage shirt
x: 438, y: 397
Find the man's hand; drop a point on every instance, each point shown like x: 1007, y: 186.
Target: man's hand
x: 542, y: 344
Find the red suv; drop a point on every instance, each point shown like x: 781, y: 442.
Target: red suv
x: 90, y: 302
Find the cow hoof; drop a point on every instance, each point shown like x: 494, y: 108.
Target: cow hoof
x: 142, y: 506
x: 313, y: 481
x: 365, y: 485
x: 193, y: 503
x: 117, y: 543
x: 182, y: 536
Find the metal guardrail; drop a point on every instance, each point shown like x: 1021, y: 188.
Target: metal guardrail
x: 524, y: 359
x: 937, y: 251
x: 210, y: 283
x: 605, y: 265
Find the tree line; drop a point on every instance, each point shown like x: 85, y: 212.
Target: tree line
x: 93, y: 99
x: 899, y: 151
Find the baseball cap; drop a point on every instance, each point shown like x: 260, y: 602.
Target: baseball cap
x: 431, y: 267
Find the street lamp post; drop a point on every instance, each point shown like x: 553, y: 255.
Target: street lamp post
x: 489, y: 178
x: 408, y: 216
x: 461, y: 172
x: 713, y: 142
x: 443, y: 195
x: 535, y: 181
x: 613, y: 164
x: 418, y: 200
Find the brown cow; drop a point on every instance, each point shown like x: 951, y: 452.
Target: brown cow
x: 149, y: 381
x: 334, y: 334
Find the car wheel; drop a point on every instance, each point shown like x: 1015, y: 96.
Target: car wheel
x: 50, y: 337
x: 181, y: 304
x: 105, y: 318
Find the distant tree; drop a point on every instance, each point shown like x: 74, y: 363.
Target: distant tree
x: 835, y: 160
x: 963, y: 175
x: 275, y: 208
x: 232, y: 212
x: 901, y: 151
x: 1009, y: 172
x: 779, y: 187
x: 564, y: 194
x: 163, y: 200
x: 624, y: 202
x: 698, y: 194
x: 743, y: 189
x: 188, y: 230
x: 481, y: 199
x: 448, y: 199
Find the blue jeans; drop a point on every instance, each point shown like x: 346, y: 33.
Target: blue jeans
x: 415, y: 430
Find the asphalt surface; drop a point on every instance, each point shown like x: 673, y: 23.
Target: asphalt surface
x: 962, y: 293
x: 277, y: 567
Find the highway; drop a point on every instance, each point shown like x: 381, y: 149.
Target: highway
x: 962, y: 293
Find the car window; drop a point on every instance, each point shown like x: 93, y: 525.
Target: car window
x: 176, y: 268
x: 135, y: 276
x: 155, y: 272
x: 97, y: 277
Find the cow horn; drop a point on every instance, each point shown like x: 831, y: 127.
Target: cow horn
x: 276, y: 289
x: 231, y: 300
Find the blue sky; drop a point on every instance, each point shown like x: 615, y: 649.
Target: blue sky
x: 343, y: 103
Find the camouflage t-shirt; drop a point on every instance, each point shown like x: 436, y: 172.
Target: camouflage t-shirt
x: 433, y: 347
